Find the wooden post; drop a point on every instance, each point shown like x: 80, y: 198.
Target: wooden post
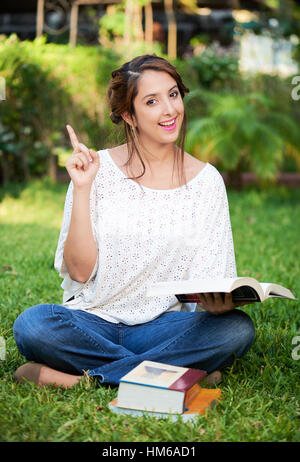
x: 73, y: 24
x: 127, y: 38
x: 137, y: 19
x: 149, y: 23
x: 40, y: 18
x: 172, y: 29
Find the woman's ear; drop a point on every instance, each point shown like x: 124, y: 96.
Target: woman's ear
x: 130, y: 119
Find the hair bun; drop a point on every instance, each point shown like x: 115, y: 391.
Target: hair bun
x: 115, y: 118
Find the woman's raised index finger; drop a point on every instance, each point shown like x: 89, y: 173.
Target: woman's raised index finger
x: 73, y: 137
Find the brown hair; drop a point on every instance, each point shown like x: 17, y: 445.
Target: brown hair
x: 122, y: 91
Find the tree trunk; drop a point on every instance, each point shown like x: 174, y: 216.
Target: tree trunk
x: 5, y: 175
x: 52, y: 167
x: 172, y: 29
x: 40, y: 18
x: 128, y: 22
x: 149, y: 23
x: 137, y: 21
x: 25, y: 168
x: 73, y: 25
x: 133, y: 22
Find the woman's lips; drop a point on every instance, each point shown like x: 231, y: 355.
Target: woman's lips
x: 169, y: 127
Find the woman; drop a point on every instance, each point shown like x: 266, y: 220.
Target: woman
x: 130, y: 222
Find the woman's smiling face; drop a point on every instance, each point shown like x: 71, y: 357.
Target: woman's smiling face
x: 159, y: 108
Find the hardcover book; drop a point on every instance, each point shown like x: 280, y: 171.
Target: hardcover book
x: 159, y: 387
x: 204, y: 399
x: 243, y: 289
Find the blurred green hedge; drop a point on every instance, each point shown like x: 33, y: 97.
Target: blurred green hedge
x: 48, y: 86
x: 242, y: 122
x: 239, y: 123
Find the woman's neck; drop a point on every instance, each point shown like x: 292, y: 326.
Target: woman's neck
x: 156, y: 158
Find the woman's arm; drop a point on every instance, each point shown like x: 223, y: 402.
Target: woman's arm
x: 80, y: 250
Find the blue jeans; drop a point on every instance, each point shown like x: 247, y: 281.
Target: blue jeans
x: 75, y: 341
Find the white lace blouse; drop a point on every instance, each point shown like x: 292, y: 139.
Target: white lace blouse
x: 145, y: 236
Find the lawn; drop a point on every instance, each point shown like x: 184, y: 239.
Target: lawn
x: 260, y: 392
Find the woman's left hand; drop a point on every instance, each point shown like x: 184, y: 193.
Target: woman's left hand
x: 215, y: 304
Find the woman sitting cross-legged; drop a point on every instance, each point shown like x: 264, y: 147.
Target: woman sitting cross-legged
x: 132, y: 219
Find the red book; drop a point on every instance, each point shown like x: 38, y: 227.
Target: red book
x: 158, y: 387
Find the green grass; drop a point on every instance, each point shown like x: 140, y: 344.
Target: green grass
x: 260, y: 392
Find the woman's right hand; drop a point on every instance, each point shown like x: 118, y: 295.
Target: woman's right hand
x: 83, y: 164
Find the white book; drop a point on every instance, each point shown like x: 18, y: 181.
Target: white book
x: 243, y: 289
x: 159, y: 387
x: 113, y: 405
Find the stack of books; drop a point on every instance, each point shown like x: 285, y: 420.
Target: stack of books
x: 162, y: 390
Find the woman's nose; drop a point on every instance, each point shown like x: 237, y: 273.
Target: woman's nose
x: 168, y: 107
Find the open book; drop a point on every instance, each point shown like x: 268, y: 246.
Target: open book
x: 243, y: 289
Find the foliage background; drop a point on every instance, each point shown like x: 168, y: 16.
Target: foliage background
x: 49, y: 85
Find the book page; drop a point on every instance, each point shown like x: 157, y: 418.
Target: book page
x: 191, y: 286
x: 154, y: 374
x: 265, y: 287
x: 276, y: 290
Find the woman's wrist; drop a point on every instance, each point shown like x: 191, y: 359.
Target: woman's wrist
x: 82, y: 190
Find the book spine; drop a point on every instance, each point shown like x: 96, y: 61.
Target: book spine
x: 187, y: 380
x: 188, y: 298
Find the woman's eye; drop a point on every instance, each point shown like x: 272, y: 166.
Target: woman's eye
x: 150, y: 102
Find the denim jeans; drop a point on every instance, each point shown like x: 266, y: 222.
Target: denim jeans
x: 75, y: 341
